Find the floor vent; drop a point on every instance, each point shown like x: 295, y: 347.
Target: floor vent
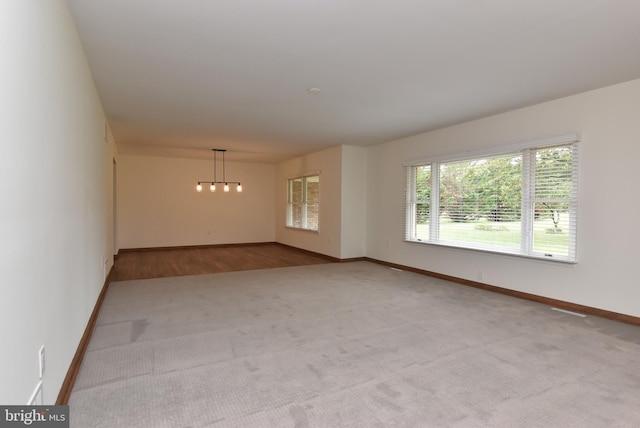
x: 568, y: 312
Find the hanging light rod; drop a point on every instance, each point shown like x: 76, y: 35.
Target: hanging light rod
x: 212, y: 184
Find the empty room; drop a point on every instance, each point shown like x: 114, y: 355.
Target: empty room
x: 320, y: 214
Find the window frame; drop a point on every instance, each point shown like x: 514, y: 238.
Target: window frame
x: 304, y: 220
x: 527, y: 204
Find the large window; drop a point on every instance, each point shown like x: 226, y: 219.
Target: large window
x: 303, y: 202
x: 519, y: 200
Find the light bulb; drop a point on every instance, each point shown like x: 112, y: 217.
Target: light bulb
x: 239, y: 187
x: 199, y: 187
x: 226, y: 187
x: 212, y: 187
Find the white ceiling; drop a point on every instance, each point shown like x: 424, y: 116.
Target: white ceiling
x: 181, y: 77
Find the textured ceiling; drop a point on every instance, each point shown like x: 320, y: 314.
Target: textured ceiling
x: 178, y: 78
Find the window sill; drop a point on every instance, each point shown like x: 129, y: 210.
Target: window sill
x: 302, y: 229
x: 554, y: 259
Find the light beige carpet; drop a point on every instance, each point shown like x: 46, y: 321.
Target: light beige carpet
x: 348, y: 345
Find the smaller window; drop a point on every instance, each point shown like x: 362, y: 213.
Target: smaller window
x: 303, y: 206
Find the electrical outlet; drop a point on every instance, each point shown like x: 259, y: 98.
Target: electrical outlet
x: 41, y: 360
x: 480, y: 275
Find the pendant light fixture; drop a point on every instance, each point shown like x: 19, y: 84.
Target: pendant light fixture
x: 212, y: 184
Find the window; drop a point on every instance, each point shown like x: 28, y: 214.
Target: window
x: 518, y: 200
x: 303, y: 202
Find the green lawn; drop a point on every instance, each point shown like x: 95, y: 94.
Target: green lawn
x: 502, y: 234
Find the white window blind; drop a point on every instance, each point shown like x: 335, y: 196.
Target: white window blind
x: 303, y: 202
x: 520, y: 199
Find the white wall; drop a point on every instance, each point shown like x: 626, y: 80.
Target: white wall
x: 327, y: 240
x: 342, y: 230
x: 353, y: 225
x: 55, y: 221
x: 606, y: 275
x: 158, y: 205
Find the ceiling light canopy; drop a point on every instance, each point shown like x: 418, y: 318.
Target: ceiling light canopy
x: 212, y: 184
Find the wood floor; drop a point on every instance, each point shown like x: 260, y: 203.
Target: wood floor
x: 144, y: 264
